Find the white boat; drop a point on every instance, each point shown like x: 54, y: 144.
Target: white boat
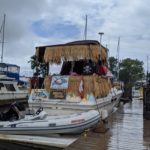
x: 9, y: 77
x: 52, y: 105
x: 42, y: 124
x: 77, y: 88
x: 116, y: 93
x: 117, y: 87
x: 9, y: 89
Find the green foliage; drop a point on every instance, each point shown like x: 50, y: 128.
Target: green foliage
x: 43, y: 69
x: 113, y: 65
x: 33, y: 61
x: 40, y: 68
x: 131, y: 70
x: 148, y: 75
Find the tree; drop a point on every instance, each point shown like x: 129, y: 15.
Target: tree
x: 40, y: 68
x: 131, y: 70
x: 148, y: 76
x: 113, y: 65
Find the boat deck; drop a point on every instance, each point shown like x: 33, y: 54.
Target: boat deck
x: 127, y: 131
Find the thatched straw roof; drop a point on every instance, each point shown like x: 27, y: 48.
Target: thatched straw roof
x: 72, y: 51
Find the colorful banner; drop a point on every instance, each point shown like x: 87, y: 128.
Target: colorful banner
x: 59, y: 82
x: 39, y: 94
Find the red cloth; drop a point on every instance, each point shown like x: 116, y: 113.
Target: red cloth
x: 34, y: 82
x: 102, y: 70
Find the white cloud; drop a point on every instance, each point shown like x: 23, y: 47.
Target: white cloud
x: 125, y: 18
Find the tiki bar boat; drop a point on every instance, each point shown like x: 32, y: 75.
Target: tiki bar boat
x: 83, y: 83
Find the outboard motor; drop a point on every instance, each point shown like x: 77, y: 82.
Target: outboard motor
x: 12, y: 113
x: 39, y: 110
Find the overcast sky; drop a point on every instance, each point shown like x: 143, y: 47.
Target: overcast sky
x: 31, y: 23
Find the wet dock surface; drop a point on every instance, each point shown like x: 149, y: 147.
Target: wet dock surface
x: 127, y: 131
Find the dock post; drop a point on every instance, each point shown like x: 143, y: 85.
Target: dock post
x: 146, y: 102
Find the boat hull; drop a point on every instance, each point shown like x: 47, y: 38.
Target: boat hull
x: 52, y: 106
x: 8, y: 98
x: 72, y: 124
x: 11, y: 96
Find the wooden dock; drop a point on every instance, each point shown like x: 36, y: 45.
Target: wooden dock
x: 127, y: 131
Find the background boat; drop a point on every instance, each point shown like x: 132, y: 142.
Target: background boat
x: 10, y: 90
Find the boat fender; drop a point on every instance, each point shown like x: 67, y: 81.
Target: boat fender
x: 104, y: 114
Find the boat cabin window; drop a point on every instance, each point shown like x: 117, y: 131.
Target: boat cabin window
x: 1, y: 85
x: 66, y: 68
x: 81, y: 67
x: 10, y: 87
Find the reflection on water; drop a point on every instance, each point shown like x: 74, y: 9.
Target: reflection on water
x: 146, y: 133
x: 129, y: 129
